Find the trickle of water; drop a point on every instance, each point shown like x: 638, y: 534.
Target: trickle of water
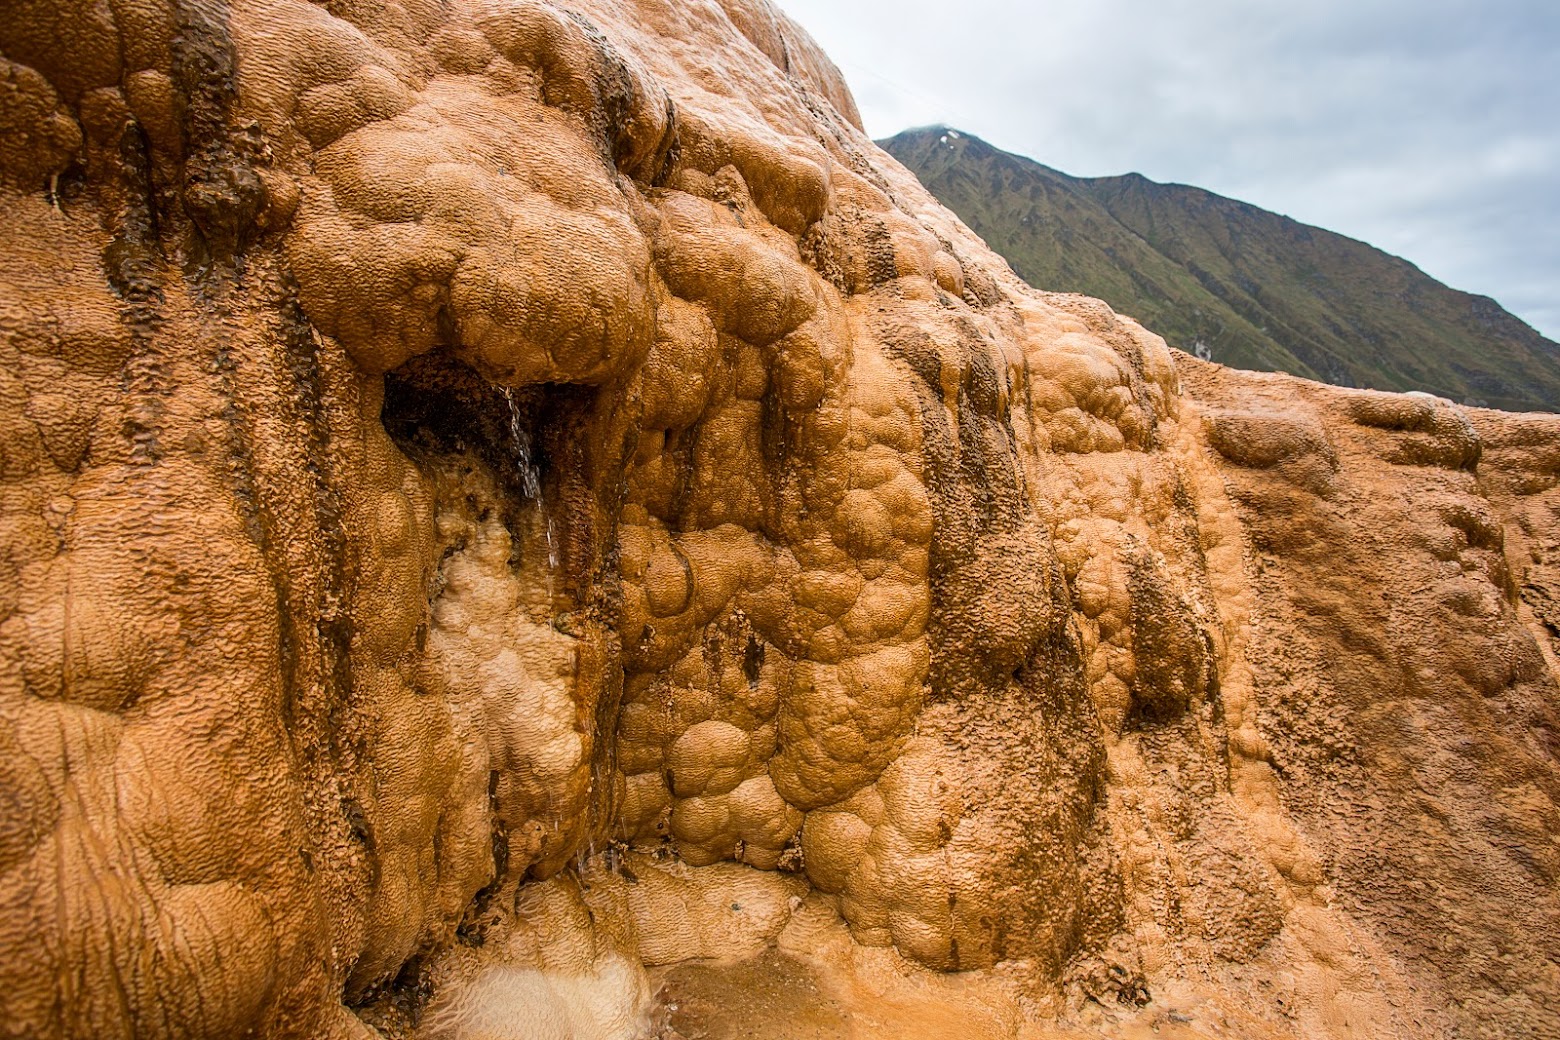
x: 531, y: 483
x: 530, y: 477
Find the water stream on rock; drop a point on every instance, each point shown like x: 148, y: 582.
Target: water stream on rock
x: 531, y: 483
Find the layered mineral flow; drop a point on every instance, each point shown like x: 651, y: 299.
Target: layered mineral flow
x: 518, y: 521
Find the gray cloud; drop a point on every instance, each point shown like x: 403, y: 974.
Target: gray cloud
x: 1429, y: 128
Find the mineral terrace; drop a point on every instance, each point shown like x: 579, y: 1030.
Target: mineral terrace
x: 519, y: 522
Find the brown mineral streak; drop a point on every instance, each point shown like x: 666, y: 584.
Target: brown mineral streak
x: 519, y: 521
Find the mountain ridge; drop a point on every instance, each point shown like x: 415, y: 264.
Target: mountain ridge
x: 1234, y: 283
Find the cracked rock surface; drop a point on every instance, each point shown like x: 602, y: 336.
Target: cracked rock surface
x: 518, y: 521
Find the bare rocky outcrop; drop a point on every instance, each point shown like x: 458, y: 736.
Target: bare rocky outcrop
x: 519, y: 521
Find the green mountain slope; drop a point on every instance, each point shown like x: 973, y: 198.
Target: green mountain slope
x: 1235, y: 283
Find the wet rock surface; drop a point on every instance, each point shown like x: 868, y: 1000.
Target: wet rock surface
x: 516, y: 515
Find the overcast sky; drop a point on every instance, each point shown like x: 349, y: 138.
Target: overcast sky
x: 1429, y: 128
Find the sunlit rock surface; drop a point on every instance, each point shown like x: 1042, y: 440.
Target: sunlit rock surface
x: 518, y: 521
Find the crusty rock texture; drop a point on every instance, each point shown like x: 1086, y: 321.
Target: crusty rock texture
x: 518, y: 521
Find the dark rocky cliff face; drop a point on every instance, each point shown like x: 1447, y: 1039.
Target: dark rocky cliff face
x: 1236, y: 284
x: 520, y: 521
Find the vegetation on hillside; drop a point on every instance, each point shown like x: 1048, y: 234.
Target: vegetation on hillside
x: 1237, y: 284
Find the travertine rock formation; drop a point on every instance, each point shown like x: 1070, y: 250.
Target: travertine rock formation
x: 518, y: 521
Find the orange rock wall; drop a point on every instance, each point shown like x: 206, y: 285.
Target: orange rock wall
x: 499, y: 496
